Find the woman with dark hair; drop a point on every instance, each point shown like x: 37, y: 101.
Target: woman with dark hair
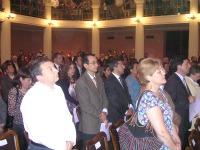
x: 22, y: 82
x: 67, y: 81
x: 106, y: 72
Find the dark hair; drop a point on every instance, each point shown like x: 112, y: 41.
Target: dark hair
x: 65, y: 69
x: 194, y: 69
x: 177, y: 60
x: 55, y: 55
x: 114, y: 62
x: 85, y: 58
x: 35, y: 66
x: 22, y: 73
x: 5, y: 65
x: 132, y: 63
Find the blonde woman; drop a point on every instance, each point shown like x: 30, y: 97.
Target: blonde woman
x: 154, y: 106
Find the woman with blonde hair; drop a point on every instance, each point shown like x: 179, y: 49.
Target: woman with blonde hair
x: 154, y: 106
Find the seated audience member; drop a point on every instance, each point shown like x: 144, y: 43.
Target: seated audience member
x: 153, y: 106
x: 44, y: 110
x: 22, y: 82
x: 117, y: 92
x: 191, y: 80
x: 3, y: 114
x: 133, y: 83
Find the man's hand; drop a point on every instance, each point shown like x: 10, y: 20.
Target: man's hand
x: 69, y: 145
x: 191, y: 99
x: 129, y: 112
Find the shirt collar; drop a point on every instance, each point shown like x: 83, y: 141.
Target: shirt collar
x: 117, y: 76
x: 92, y: 77
x: 180, y: 76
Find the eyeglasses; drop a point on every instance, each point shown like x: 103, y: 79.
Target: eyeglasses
x: 94, y: 63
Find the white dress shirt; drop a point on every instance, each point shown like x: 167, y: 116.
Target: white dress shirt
x: 46, y: 117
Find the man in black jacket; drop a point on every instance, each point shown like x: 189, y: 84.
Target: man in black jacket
x: 117, y: 93
x: 180, y: 94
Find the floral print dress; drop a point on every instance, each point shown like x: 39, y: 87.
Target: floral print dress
x: 150, y: 100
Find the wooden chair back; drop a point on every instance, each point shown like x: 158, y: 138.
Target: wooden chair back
x: 114, y: 134
x: 10, y: 140
x: 197, y: 125
x: 99, y: 138
x: 194, y: 140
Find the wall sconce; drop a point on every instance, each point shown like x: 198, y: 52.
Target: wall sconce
x: 191, y: 16
x: 11, y: 16
x: 136, y: 20
x: 94, y: 25
x: 50, y: 23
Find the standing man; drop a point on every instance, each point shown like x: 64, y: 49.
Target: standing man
x: 44, y: 110
x: 117, y: 92
x: 178, y: 90
x: 58, y: 61
x: 78, y: 60
x: 92, y: 99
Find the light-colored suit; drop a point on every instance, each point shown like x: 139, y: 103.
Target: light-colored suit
x: 195, y: 91
x: 193, y: 86
x: 92, y: 101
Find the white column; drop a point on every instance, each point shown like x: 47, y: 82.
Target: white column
x: 193, y: 49
x: 6, y: 34
x: 139, y: 30
x: 95, y: 30
x: 47, y: 36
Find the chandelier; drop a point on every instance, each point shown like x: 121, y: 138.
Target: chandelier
x: 51, y: 3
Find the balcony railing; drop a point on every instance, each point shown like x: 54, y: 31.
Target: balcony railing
x: 166, y: 7
x: 71, y: 14
x: 32, y: 8
x: 111, y: 11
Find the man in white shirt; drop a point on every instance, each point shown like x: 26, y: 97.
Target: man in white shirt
x: 44, y: 110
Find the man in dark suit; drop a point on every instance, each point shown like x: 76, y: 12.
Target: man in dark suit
x: 78, y: 60
x: 180, y: 94
x: 58, y: 61
x: 92, y: 99
x: 117, y: 92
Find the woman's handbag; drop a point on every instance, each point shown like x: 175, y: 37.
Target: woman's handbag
x: 134, y: 136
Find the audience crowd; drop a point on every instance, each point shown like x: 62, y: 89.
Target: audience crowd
x: 64, y: 102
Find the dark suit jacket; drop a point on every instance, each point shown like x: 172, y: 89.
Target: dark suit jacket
x: 118, y: 98
x: 179, y: 95
x: 3, y: 111
x: 92, y: 101
x: 6, y: 85
x: 77, y: 73
x: 64, y: 84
